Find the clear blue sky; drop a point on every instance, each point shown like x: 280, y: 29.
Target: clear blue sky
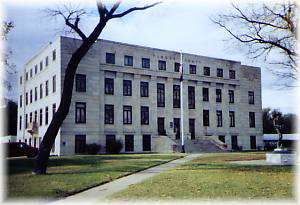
x: 173, y: 25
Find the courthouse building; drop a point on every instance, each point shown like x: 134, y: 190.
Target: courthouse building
x: 131, y: 93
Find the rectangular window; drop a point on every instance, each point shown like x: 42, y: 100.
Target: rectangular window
x: 251, y: 97
x: 232, y: 119
x: 20, y: 103
x: 80, y: 112
x: 205, y: 94
x: 146, y: 143
x: 35, y: 93
x: 176, y: 125
x: 127, y: 88
x: 128, y: 60
x: 80, y: 83
x: 109, y: 86
x: 127, y: 114
x: 26, y: 98
x: 47, y: 88
x: 35, y: 116
x: 53, y: 55
x: 46, y: 116
x: 176, y: 96
x: 144, y: 86
x: 234, y: 142
x: 176, y: 67
x: 110, y: 141
x: 20, y: 122
x: 80, y: 144
x: 54, y: 84
x: 109, y: 114
x: 160, y: 95
x: 53, y: 109
x: 41, y: 91
x: 129, y: 143
x: 41, y: 117
x: 206, y: 118
x: 47, y: 61
x: 21, y: 79
x: 206, y: 71
x: 144, y: 115
x: 26, y: 76
x: 192, y: 128
x: 252, y: 119
x: 218, y: 95
x: 41, y: 65
x: 231, y: 96
x: 252, y: 142
x: 219, y: 118
x: 193, y: 69
x: 191, y: 97
x: 162, y: 65
x: 30, y: 73
x: 145, y: 63
x: 219, y: 72
x: 35, y: 69
x: 26, y: 121
x: 110, y: 58
x: 30, y: 96
x: 231, y: 74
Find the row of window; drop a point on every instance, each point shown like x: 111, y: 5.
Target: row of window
x: 33, y: 117
x: 34, y: 71
x: 162, y: 65
x: 33, y: 94
x: 235, y: 144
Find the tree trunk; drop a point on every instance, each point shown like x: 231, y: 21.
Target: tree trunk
x: 66, y: 97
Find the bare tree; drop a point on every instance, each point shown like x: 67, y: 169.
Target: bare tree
x: 72, y: 19
x: 267, y: 31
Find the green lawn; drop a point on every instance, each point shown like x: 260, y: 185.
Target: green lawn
x: 67, y: 175
x: 211, y: 177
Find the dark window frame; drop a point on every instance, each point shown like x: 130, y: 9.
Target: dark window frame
x: 176, y: 96
x: 218, y: 95
x: 205, y: 94
x: 206, y: 118
x: 128, y: 60
x: 176, y: 67
x: 219, y: 118
x: 252, y: 119
x: 162, y: 65
x: 231, y: 96
x: 145, y: 62
x: 127, y: 88
x: 144, y: 89
x: 193, y: 69
x: 231, y: 119
x: 110, y: 58
x: 220, y: 72
x: 127, y: 115
x: 80, y: 112
x: 109, y: 86
x: 108, y: 114
x: 144, y: 115
x: 191, y: 97
x: 206, y: 71
x: 160, y: 95
x: 251, y: 97
x: 80, y: 83
x: 232, y: 74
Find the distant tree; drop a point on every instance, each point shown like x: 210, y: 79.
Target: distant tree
x: 267, y: 122
x: 72, y: 18
x: 267, y: 30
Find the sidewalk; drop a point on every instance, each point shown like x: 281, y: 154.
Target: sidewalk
x: 99, y: 193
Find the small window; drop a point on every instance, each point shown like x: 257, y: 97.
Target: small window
x: 193, y: 69
x: 251, y: 97
x: 219, y: 72
x: 145, y: 63
x: 205, y: 94
x: 80, y: 83
x: 160, y: 95
x: 231, y: 74
x: 252, y: 119
x: 41, y: 91
x: 218, y: 95
x: 109, y: 114
x: 206, y: 118
x: 144, y: 89
x: 46, y: 116
x: 176, y: 67
x: 53, y: 109
x: 127, y: 88
x: 144, y: 115
x: 41, y: 117
x: 20, y: 101
x: 127, y: 114
x: 219, y: 118
x: 176, y: 96
x: 128, y: 60
x: 53, y: 55
x: 35, y: 93
x: 47, y: 88
x: 80, y: 112
x: 26, y: 76
x: 232, y: 119
x: 109, y: 86
x: 41, y: 65
x: 206, y: 71
x: 26, y: 98
x: 110, y: 58
x: 162, y: 65
x: 47, y: 61
x: 21, y: 79
x: 30, y: 73
x: 30, y: 96
x: 20, y: 122
x: 54, y: 84
x: 35, y: 69
x: 191, y: 97
x: 231, y: 96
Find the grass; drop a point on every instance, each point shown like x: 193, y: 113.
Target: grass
x: 211, y: 177
x: 69, y: 175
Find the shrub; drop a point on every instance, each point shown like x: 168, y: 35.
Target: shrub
x: 114, y: 147
x: 92, y: 148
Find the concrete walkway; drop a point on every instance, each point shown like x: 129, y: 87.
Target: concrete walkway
x: 99, y: 193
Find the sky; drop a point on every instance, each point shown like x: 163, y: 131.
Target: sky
x: 172, y: 25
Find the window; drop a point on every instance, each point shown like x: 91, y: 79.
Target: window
x: 234, y: 142
x: 80, y: 144
x: 35, y: 93
x: 47, y: 61
x: 231, y: 96
x: 109, y: 86
x: 129, y: 143
x: 144, y: 89
x: 160, y: 95
x: 35, y: 69
x: 191, y: 97
x: 127, y: 114
x: 80, y: 83
x: 128, y: 60
x: 41, y: 65
x: 251, y: 97
x: 144, y: 115
x: 110, y: 141
x: 205, y: 117
x: 219, y: 118
x: 41, y: 117
x: 193, y: 69
x: 206, y: 71
x: 231, y: 74
x: 20, y: 122
x: 218, y: 95
x: 30, y: 73
x: 145, y: 63
x: 53, y: 55
x: 127, y: 88
x: 26, y: 121
x: 176, y: 96
x: 110, y: 58
x: 26, y: 76
x: 35, y: 116
x: 80, y: 112
x: 47, y: 88
x: 219, y: 72
x: 21, y: 79
x: 41, y: 91
x: 252, y: 119
x: 26, y: 98
x: 30, y: 96
x: 109, y: 114
x: 177, y: 67
x: 162, y: 65
x: 205, y: 94
x: 252, y: 142
x: 46, y: 116
x: 54, y: 84
x: 192, y: 128
x: 232, y: 119
x: 20, y: 103
x: 53, y: 109
x: 146, y: 142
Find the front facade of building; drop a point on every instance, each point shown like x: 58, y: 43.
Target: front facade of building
x: 132, y: 94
